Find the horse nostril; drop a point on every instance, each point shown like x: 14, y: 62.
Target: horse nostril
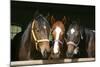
x: 45, y: 52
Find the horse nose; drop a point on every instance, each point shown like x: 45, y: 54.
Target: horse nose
x: 56, y: 55
x: 70, y: 50
x: 69, y: 55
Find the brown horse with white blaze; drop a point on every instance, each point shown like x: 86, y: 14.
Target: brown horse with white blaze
x: 57, y: 31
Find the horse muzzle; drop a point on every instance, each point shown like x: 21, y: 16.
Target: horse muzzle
x: 72, y: 49
x: 69, y: 55
x: 45, y: 55
x: 55, y: 55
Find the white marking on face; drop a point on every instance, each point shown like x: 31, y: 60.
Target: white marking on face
x: 72, y: 30
x: 56, y: 46
x: 44, y: 27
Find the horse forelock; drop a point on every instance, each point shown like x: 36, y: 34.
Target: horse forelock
x: 42, y: 22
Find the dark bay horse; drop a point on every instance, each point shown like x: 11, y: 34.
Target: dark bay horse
x: 34, y: 42
x: 80, y: 41
x: 57, y: 32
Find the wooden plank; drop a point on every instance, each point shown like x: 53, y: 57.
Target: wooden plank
x: 35, y: 62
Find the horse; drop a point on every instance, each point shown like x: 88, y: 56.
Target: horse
x: 80, y: 41
x: 15, y: 44
x: 57, y: 32
x: 34, y: 42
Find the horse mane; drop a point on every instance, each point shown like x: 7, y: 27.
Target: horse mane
x: 26, y: 34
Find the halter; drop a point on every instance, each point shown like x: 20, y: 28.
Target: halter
x: 59, y: 41
x: 74, y: 44
x: 34, y: 37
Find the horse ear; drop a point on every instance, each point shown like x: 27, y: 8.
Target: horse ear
x: 48, y: 16
x: 52, y: 20
x: 78, y: 21
x: 64, y: 20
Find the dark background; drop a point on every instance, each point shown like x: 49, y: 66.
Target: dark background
x: 23, y: 12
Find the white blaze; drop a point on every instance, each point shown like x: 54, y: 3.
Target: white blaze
x: 72, y: 30
x: 44, y: 27
x: 56, y: 46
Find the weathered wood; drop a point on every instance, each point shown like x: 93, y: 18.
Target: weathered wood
x: 35, y: 62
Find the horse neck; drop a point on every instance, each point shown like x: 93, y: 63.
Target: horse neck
x: 26, y: 37
x: 83, y: 45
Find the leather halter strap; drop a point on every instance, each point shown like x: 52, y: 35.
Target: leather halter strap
x: 34, y: 37
x: 59, y: 41
x: 74, y: 44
